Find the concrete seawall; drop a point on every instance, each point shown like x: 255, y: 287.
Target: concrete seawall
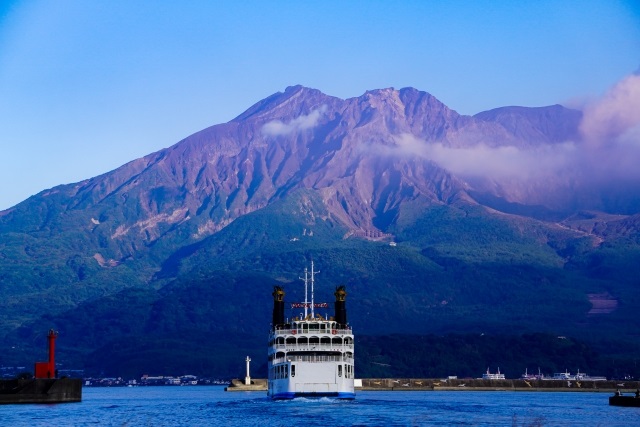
x: 431, y: 384
x: 41, y: 390
x: 256, y: 385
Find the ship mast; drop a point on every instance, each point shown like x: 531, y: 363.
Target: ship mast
x: 306, y: 280
x: 312, y: 280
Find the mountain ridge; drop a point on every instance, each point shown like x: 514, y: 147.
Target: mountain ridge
x: 486, y: 214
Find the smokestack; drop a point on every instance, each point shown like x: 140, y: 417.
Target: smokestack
x: 278, y: 306
x: 341, y: 309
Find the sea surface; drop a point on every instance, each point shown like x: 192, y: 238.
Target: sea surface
x: 211, y: 405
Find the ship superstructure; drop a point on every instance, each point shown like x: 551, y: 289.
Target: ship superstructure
x: 310, y: 355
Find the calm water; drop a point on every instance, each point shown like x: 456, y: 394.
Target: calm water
x: 201, y: 405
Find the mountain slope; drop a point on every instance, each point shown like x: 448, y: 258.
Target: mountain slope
x: 491, y: 234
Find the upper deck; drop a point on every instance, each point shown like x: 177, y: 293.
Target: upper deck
x: 317, y: 326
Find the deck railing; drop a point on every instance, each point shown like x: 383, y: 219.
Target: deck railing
x: 328, y: 332
x: 313, y: 358
x: 312, y: 347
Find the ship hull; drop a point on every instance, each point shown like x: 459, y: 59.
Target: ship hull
x: 336, y: 395
x: 312, y: 379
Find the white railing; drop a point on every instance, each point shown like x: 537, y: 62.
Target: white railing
x: 312, y: 347
x: 327, y: 332
x: 312, y: 358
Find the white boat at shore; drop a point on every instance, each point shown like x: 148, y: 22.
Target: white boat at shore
x: 489, y: 376
x: 567, y: 376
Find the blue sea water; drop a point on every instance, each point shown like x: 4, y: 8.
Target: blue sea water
x: 211, y: 405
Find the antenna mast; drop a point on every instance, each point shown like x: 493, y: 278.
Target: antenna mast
x: 306, y: 280
x: 312, y: 280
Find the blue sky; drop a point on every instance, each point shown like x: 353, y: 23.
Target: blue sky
x: 86, y: 86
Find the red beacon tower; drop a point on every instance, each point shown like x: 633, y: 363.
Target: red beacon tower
x: 48, y: 369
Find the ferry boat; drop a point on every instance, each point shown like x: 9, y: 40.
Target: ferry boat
x: 310, y: 355
x: 566, y: 375
x: 532, y: 377
x: 489, y: 376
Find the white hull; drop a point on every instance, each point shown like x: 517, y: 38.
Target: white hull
x: 313, y: 380
x: 311, y: 360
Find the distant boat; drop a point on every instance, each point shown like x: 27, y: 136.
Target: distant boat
x: 567, y: 376
x: 489, y: 376
x: 587, y: 377
x: 529, y: 377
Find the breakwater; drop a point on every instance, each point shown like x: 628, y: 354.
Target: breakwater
x: 256, y: 385
x: 434, y: 384
x: 41, y: 390
x: 431, y: 384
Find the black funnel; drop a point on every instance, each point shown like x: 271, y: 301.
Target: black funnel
x: 341, y: 309
x: 278, y: 306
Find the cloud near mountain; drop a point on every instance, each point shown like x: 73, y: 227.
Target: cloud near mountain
x: 611, y: 131
x: 607, y: 147
x: 500, y: 162
x: 615, y: 116
x: 300, y: 123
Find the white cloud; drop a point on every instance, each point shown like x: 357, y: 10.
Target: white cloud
x: 494, y: 162
x: 609, y: 149
x: 612, y: 116
x: 611, y: 132
x: 300, y: 123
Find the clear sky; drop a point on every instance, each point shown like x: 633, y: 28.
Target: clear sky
x: 88, y: 85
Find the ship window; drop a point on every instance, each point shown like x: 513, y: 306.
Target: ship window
x: 339, y: 370
x: 293, y: 370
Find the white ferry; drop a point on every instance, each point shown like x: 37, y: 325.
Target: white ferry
x: 310, y: 355
x: 566, y: 375
x: 490, y: 376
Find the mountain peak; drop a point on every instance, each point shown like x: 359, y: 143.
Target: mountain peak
x: 294, y: 100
